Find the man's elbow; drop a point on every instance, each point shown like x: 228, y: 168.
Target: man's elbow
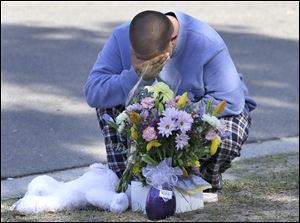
x: 91, y: 103
x: 90, y: 97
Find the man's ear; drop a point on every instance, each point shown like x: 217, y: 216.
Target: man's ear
x: 173, y: 42
x: 172, y: 47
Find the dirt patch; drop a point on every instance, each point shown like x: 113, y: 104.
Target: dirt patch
x: 267, y: 189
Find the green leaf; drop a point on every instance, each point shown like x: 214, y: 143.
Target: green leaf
x: 180, y: 154
x: 147, y: 159
x: 208, y: 108
x: 180, y: 162
x: 161, y: 97
x: 113, y: 124
x: 164, y: 152
x: 159, y: 154
x: 161, y: 107
x: 193, y: 156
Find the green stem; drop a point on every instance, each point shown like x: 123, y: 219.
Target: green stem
x: 123, y: 184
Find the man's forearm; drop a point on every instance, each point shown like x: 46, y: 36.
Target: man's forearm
x: 109, y: 90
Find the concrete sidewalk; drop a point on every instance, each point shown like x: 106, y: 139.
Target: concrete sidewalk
x: 16, y: 187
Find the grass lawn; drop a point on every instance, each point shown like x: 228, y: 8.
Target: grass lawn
x: 267, y: 189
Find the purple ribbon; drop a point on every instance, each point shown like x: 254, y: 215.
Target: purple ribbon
x: 162, y: 174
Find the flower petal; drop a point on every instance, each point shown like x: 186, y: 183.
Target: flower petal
x: 214, y: 146
x: 134, y: 117
x: 153, y: 143
x: 182, y: 100
x: 219, y: 108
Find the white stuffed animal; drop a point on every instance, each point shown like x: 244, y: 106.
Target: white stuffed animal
x: 96, y: 187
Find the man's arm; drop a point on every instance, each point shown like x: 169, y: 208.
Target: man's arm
x: 222, y: 82
x: 108, y: 83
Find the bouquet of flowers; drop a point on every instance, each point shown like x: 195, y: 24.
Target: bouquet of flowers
x: 164, y: 129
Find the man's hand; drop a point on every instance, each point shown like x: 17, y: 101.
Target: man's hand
x: 149, y: 68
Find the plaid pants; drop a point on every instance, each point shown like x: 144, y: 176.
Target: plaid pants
x: 211, y: 170
x: 115, y: 143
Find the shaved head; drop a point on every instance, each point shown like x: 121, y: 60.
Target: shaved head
x: 150, y: 32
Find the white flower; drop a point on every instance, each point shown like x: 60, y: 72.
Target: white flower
x: 132, y: 149
x: 120, y: 121
x: 130, y: 159
x: 212, y: 120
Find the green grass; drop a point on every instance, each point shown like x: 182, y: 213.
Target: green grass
x: 270, y: 193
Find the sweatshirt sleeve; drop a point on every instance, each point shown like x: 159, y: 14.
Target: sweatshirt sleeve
x: 109, y: 83
x: 222, y: 82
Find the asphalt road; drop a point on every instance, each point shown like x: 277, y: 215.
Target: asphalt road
x: 48, y: 49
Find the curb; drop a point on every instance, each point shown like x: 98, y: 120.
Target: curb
x: 17, y: 187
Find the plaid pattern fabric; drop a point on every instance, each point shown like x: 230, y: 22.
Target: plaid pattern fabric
x: 116, y: 145
x: 212, y: 169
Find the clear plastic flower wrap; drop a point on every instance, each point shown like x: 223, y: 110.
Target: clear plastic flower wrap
x: 168, y: 75
x: 160, y: 124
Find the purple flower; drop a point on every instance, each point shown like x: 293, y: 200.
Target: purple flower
x: 171, y: 113
x: 145, y: 114
x: 211, y: 135
x: 224, y: 128
x: 149, y: 134
x: 184, y: 121
x: 181, y: 140
x: 170, y: 103
x: 226, y: 133
x: 166, y: 126
x: 154, y: 112
x: 134, y: 107
x: 195, y: 169
x: 147, y: 102
x: 107, y: 117
x: 154, y: 122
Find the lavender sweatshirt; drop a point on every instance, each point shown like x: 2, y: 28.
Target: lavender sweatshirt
x: 200, y: 57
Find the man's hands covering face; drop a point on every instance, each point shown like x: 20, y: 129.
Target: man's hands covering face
x: 149, y: 68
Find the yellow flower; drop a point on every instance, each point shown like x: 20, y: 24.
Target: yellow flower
x: 162, y: 88
x: 214, y: 146
x: 134, y: 117
x: 182, y: 100
x: 153, y: 143
x: 134, y: 133
x: 136, y: 169
x: 197, y: 164
x: 219, y: 108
